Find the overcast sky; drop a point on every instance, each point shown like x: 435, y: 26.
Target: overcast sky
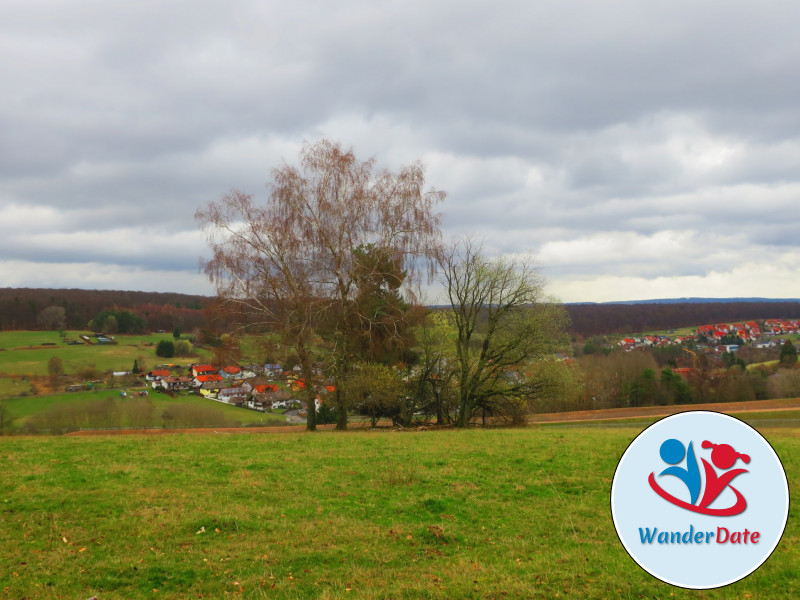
x: 637, y: 149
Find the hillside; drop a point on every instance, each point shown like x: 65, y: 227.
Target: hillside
x: 20, y: 307
x: 599, y: 319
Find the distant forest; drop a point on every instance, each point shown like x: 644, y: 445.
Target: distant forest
x: 598, y: 319
x: 20, y: 309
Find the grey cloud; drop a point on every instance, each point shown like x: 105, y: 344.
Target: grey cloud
x: 546, y: 122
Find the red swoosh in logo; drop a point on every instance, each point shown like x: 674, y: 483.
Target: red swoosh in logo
x: 737, y: 508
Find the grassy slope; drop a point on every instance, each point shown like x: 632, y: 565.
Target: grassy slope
x: 453, y: 514
x: 21, y: 409
x: 20, y: 355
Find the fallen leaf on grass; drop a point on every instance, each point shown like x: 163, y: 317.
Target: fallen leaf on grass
x: 436, y: 531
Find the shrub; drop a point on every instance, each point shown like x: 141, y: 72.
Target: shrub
x: 183, y: 348
x: 326, y: 414
x: 165, y: 349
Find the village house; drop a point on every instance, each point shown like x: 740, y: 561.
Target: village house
x: 233, y: 395
x: 197, y: 370
x: 210, y: 389
x: 273, y: 370
x: 230, y: 372
x: 264, y: 388
x: 254, y: 403
x: 214, y: 378
x: 174, y: 384
x: 157, y: 375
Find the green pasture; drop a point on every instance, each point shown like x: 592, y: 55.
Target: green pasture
x: 12, y: 387
x: 451, y: 514
x: 34, y: 409
x: 20, y: 355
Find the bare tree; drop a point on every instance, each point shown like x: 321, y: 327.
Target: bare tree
x: 55, y: 369
x: 291, y: 264
x: 52, y: 317
x: 502, y: 320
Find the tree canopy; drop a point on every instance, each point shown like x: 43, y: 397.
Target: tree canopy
x: 322, y: 253
x: 503, y: 320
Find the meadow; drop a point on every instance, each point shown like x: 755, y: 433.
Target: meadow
x: 104, y: 408
x: 503, y: 513
x: 28, y: 352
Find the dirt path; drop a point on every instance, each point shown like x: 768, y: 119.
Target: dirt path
x: 664, y: 411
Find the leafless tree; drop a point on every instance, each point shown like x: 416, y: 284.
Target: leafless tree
x: 290, y: 264
x: 502, y: 319
x: 52, y: 317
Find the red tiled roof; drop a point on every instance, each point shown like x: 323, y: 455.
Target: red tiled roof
x: 267, y: 387
x: 209, y: 378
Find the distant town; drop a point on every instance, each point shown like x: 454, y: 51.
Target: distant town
x: 720, y: 337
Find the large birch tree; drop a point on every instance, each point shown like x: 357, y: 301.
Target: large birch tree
x: 292, y: 263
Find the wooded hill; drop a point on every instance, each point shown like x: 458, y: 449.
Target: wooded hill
x: 20, y: 307
x: 599, y: 319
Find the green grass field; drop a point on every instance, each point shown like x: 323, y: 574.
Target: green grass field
x: 21, y: 411
x: 21, y: 354
x: 452, y: 514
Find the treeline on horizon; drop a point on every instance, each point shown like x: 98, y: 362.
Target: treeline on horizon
x: 20, y: 309
x: 603, y: 319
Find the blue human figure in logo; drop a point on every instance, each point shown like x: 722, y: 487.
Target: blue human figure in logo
x: 672, y: 452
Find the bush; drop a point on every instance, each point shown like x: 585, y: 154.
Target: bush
x: 183, y: 348
x: 326, y: 414
x: 87, y: 373
x: 165, y: 349
x: 788, y: 356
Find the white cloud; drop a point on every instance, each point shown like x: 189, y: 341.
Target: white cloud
x: 101, y: 276
x: 748, y: 280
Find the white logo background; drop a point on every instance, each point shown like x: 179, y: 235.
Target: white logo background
x: 635, y: 505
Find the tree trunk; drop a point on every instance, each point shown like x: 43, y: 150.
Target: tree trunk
x: 341, y: 417
x: 308, y: 389
x: 341, y: 409
x: 437, y: 397
x: 311, y: 411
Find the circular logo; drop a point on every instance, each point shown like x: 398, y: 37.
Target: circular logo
x: 699, y: 500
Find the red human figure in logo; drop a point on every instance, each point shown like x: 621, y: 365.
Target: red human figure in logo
x: 724, y: 457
